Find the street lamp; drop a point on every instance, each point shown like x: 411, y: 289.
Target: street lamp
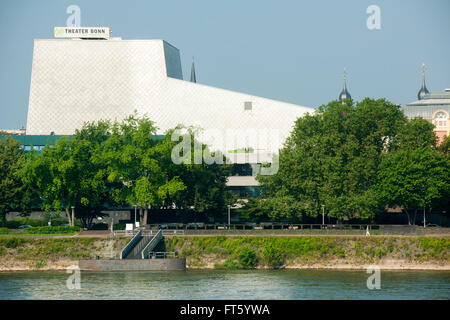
x: 424, y: 216
x: 323, y: 214
x: 229, y: 221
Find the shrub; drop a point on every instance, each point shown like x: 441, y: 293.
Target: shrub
x: 40, y: 264
x: 339, y: 251
x: 52, y: 230
x: 119, y: 226
x: 57, y: 222
x: 220, y: 239
x: 16, y: 222
x: 271, y: 256
x: 247, y: 258
x: 229, y: 264
x: 4, y: 230
x: 13, y: 243
x: 13, y: 224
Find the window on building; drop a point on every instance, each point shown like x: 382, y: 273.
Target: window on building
x: 440, y: 120
x: 241, y: 169
x: 248, y: 105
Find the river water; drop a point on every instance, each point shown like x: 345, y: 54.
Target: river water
x: 212, y: 284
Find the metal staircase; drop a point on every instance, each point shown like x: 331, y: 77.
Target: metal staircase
x: 141, y: 245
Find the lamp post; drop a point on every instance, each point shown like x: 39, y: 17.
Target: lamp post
x: 424, y: 216
x: 229, y: 220
x: 323, y: 214
x: 426, y: 188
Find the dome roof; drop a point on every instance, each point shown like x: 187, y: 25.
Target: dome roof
x: 344, y: 93
x: 423, y: 91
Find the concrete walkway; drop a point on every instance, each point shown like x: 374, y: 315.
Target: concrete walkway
x: 232, y: 233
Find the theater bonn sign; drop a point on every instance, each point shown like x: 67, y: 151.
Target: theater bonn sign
x: 82, y: 32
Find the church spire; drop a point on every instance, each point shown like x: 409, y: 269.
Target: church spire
x: 423, y: 91
x: 193, y: 78
x: 344, y: 93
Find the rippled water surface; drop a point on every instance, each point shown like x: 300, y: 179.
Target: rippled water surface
x: 212, y: 284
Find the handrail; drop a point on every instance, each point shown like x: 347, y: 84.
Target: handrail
x: 163, y: 255
x: 172, y: 232
x: 142, y: 244
x: 126, y: 250
x: 252, y: 225
x: 151, y: 244
x: 288, y: 228
x: 150, y: 232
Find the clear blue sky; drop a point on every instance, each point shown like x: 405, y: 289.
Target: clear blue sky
x: 292, y: 51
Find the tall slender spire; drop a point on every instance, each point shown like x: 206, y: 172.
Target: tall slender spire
x: 423, y: 91
x: 345, y: 78
x: 344, y: 93
x: 193, y: 78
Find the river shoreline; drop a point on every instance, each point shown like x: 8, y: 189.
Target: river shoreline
x: 221, y: 252
x: 391, y: 266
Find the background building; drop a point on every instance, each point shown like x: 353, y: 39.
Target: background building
x: 82, y: 80
x: 74, y: 81
x: 434, y: 107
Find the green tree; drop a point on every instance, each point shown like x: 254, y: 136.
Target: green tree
x: 206, y: 191
x: 68, y: 174
x: 332, y: 158
x: 252, y: 209
x: 137, y: 162
x: 445, y: 145
x: 414, y: 179
x: 414, y: 134
x: 14, y: 195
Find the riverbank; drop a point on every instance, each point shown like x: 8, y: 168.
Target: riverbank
x: 393, y: 253
x: 26, y: 254
x: 240, y: 252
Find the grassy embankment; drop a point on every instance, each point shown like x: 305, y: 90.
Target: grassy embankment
x: 44, y: 231
x: 51, y: 254
x: 312, y: 252
x: 222, y: 252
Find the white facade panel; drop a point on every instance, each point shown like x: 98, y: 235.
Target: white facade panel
x: 75, y: 81
x: 243, y: 181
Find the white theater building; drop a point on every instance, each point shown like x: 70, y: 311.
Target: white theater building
x: 79, y: 80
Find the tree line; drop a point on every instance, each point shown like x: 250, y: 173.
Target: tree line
x: 350, y: 160
x: 354, y: 161
x: 114, y: 164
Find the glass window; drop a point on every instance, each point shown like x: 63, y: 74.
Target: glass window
x: 440, y: 120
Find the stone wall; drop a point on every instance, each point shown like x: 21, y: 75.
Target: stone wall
x: 134, y: 265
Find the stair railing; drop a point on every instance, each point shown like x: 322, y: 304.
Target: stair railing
x: 151, y: 245
x: 129, y: 247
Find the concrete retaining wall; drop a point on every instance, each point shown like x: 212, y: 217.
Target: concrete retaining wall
x: 134, y: 265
